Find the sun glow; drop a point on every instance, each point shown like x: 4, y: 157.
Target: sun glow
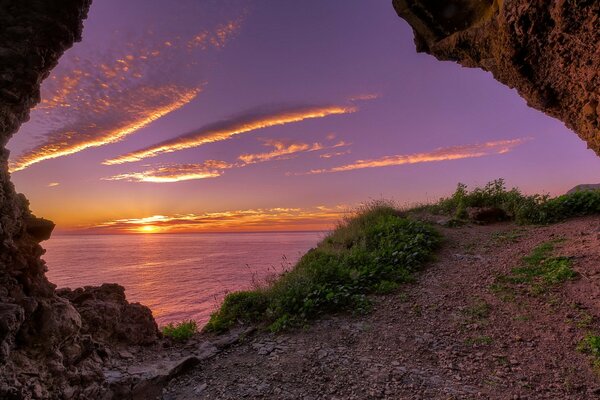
x: 148, y: 229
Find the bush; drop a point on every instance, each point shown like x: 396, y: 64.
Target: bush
x: 370, y: 252
x: 524, y: 209
x: 180, y: 331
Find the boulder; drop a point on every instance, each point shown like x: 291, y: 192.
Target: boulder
x: 109, y: 318
x: 586, y: 187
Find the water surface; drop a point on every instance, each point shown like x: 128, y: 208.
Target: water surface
x: 178, y: 276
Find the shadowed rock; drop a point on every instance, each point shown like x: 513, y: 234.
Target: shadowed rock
x: 39, y: 229
x: 587, y: 187
x: 547, y: 50
x: 109, y: 318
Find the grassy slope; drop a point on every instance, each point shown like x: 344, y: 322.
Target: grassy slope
x: 375, y: 250
x: 368, y: 253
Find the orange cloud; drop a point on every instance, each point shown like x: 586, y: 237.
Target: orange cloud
x: 317, y: 218
x: 283, y: 148
x: 224, y: 130
x: 100, y: 97
x: 175, y: 172
x: 441, y: 154
x: 211, y: 169
x: 108, y: 122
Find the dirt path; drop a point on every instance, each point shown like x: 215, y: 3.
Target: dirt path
x: 448, y: 336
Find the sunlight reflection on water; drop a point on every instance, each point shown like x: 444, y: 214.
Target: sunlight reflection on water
x: 178, y: 276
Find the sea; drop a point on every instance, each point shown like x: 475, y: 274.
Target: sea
x: 179, y: 276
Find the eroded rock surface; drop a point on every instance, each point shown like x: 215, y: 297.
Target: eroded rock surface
x: 548, y: 50
x: 108, y: 317
x: 48, y: 348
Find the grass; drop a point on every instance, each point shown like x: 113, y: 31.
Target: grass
x: 372, y: 251
x: 524, y: 209
x: 478, y: 311
x: 180, y: 331
x: 590, y: 344
x: 479, y: 341
x: 538, y: 271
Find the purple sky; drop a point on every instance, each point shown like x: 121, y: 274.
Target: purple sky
x: 249, y: 97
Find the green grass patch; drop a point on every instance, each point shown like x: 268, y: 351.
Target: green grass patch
x: 479, y: 341
x: 524, y: 209
x: 590, y: 344
x: 180, y: 331
x: 370, y: 252
x: 478, y: 311
x: 538, y: 271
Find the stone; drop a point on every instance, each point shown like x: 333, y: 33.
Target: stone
x: 486, y: 215
x: 546, y: 50
x: 109, y: 318
x: 39, y: 229
x: 585, y: 188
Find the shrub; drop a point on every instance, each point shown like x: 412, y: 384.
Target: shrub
x: 180, y: 331
x: 524, y: 209
x: 370, y: 252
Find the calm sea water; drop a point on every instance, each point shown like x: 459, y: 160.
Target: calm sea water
x: 178, y: 276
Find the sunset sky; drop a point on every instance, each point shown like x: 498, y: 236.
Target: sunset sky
x: 229, y: 115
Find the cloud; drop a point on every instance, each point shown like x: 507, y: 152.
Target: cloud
x: 241, y: 220
x: 335, y: 154
x: 108, y: 122
x: 169, y: 173
x: 283, y: 148
x: 365, y: 97
x: 100, y: 96
x: 175, y: 172
x: 441, y: 154
x: 226, y: 129
x: 53, y: 184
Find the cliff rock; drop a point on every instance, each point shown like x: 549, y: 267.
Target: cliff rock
x: 49, y: 348
x: 548, y: 50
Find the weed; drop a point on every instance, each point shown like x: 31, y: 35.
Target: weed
x: 590, y: 344
x: 371, y: 252
x: 524, y: 209
x: 180, y: 331
x: 478, y: 311
x: 479, y: 341
x: 539, y: 271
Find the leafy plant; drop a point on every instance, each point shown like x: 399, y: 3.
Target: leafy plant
x: 180, y: 331
x: 524, y: 209
x: 539, y: 270
x: 370, y: 252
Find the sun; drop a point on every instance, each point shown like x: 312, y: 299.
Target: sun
x: 148, y: 229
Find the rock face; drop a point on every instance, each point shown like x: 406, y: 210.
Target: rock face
x: 109, y: 318
x: 586, y: 187
x: 548, y: 50
x: 48, y: 349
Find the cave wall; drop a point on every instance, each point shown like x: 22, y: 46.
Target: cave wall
x: 34, y: 322
x: 548, y: 50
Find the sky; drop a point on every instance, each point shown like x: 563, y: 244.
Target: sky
x: 239, y: 115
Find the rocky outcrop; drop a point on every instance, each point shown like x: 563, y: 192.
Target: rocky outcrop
x: 586, y: 187
x: 548, y: 50
x: 50, y: 347
x: 109, y: 318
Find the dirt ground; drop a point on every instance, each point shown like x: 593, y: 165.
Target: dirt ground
x: 449, y: 335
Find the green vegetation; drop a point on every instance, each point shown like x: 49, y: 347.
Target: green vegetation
x: 180, y: 331
x: 591, y: 345
x: 478, y: 311
x: 539, y: 271
x: 370, y: 252
x: 479, y: 341
x: 524, y: 209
